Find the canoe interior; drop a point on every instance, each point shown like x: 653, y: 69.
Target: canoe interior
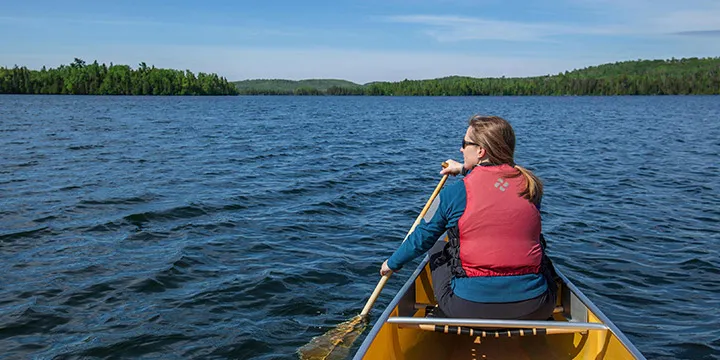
x: 390, y: 341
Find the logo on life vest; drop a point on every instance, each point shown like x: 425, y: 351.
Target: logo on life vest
x: 501, y: 184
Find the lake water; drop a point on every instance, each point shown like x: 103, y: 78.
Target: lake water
x: 241, y: 227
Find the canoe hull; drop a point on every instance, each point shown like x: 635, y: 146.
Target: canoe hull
x: 393, y: 341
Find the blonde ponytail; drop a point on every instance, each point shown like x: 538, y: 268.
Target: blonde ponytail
x: 533, y: 185
x: 497, y: 137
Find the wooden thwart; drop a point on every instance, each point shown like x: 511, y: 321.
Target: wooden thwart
x: 462, y: 330
x: 474, y: 327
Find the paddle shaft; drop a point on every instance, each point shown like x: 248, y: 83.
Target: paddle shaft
x: 385, y: 278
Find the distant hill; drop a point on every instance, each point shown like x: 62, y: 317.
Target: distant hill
x: 687, y: 76
x: 292, y: 85
x: 671, y: 67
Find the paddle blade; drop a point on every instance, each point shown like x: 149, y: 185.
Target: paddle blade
x: 336, y: 343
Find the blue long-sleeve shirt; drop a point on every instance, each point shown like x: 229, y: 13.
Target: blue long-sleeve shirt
x: 443, y: 214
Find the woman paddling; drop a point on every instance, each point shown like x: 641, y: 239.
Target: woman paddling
x: 492, y: 267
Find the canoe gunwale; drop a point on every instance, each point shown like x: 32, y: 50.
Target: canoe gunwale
x: 389, y: 309
x: 600, y: 315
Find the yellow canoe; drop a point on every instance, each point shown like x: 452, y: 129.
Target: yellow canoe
x: 579, y: 330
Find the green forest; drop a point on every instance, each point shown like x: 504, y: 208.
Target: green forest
x: 691, y: 76
x: 79, y: 78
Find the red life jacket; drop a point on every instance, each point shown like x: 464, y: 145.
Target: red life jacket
x: 499, y: 232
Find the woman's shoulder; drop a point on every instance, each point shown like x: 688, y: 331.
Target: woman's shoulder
x: 454, y: 191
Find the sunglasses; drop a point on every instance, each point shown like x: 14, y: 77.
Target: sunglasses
x: 466, y: 143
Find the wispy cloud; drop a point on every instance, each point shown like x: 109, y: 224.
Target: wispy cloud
x: 711, y: 33
x: 610, y: 18
x: 459, y: 28
x: 95, y: 21
x: 658, y: 17
x: 687, y: 21
x: 92, y: 20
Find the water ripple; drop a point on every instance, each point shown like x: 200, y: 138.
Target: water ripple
x: 153, y: 227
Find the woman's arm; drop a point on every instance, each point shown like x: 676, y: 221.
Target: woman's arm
x: 444, y: 213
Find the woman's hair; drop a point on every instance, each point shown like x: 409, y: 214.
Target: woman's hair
x: 496, y: 136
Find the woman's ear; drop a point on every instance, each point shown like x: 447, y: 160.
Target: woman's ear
x: 481, y: 153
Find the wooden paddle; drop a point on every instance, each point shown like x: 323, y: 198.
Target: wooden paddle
x: 326, y: 346
x: 424, y: 211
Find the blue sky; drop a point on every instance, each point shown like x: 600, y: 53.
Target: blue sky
x: 361, y: 41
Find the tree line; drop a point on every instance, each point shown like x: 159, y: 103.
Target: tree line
x: 692, y: 76
x: 79, y: 78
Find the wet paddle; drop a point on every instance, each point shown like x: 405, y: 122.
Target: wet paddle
x: 336, y: 343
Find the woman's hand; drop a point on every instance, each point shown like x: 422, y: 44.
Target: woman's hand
x: 385, y: 269
x: 453, y: 168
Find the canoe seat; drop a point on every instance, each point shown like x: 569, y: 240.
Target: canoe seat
x: 433, y: 311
